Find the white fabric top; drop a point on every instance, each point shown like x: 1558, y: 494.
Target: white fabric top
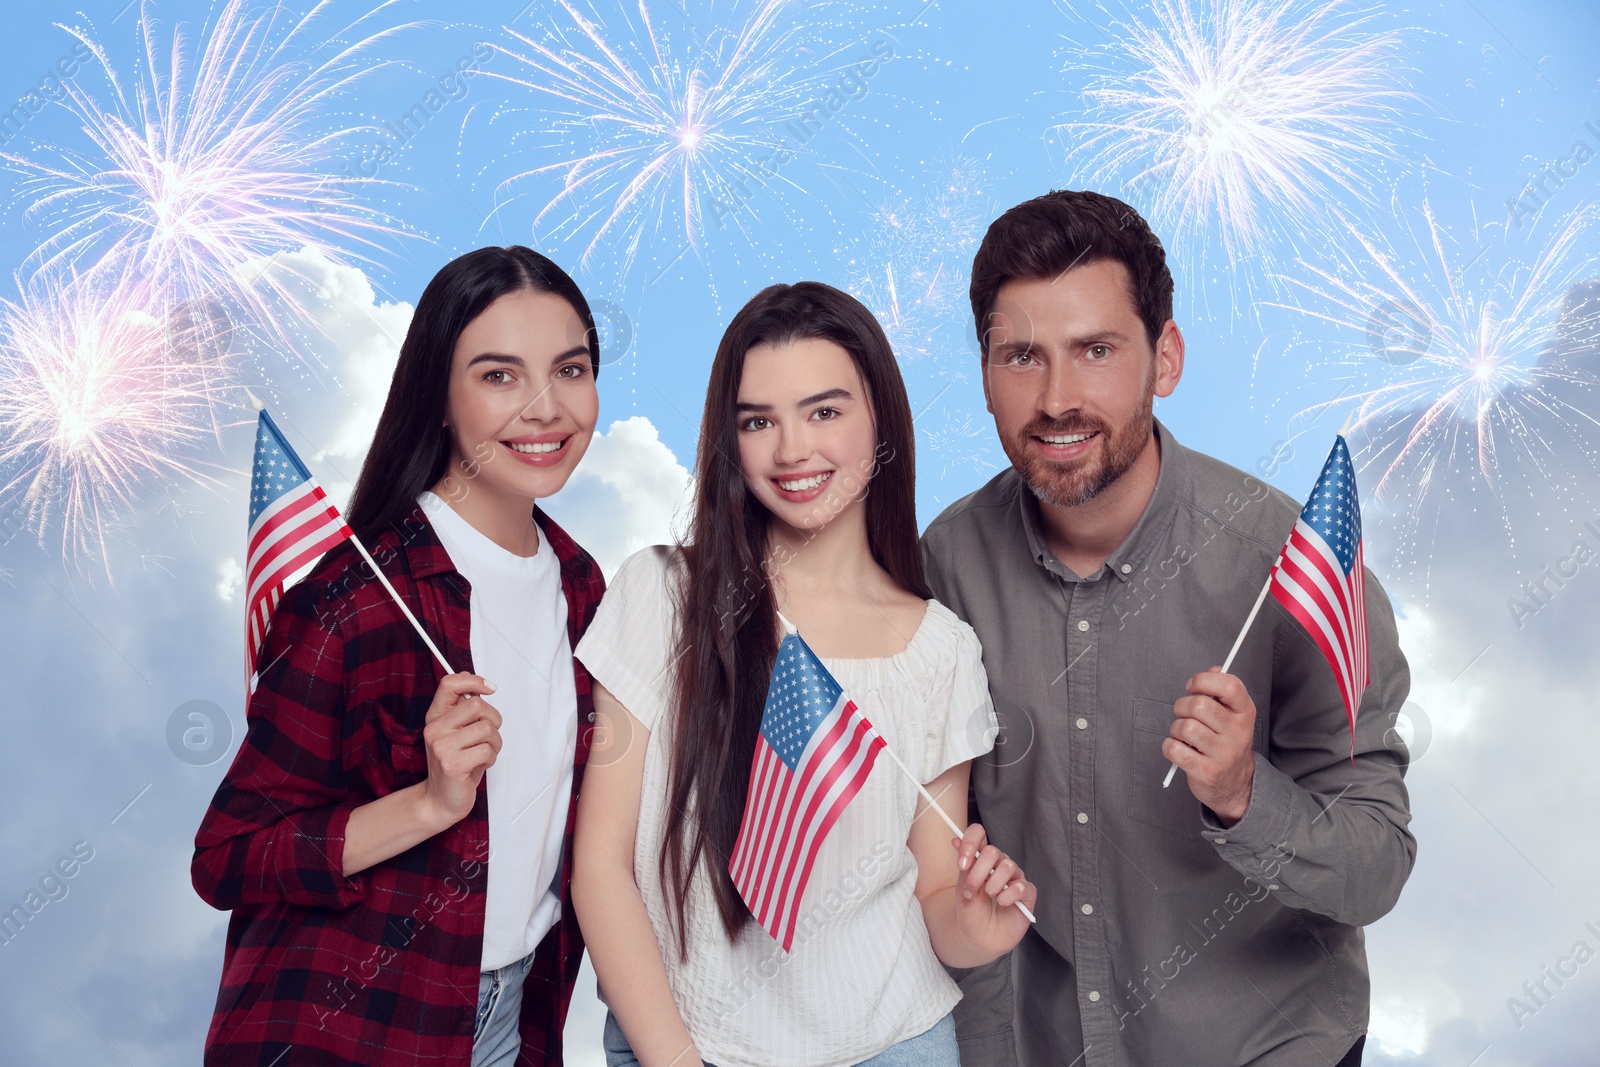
x: 863, y: 974
x: 519, y: 642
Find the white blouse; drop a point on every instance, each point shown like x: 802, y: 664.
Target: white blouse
x: 862, y: 974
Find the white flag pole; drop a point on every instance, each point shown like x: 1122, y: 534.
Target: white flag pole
x: 789, y: 627
x: 1232, y: 652
x: 258, y: 405
x: 402, y: 604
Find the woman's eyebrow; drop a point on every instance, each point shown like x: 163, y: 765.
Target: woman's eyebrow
x: 805, y: 402
x: 502, y: 357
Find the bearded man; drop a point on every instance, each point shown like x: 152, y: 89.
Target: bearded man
x: 1217, y: 921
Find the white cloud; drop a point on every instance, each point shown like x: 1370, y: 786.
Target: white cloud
x: 629, y: 492
x: 230, y: 578
x: 360, y: 337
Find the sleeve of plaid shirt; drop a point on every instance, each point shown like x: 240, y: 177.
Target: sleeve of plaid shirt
x: 275, y: 830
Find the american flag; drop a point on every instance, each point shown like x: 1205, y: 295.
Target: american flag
x: 291, y: 524
x: 814, y: 753
x: 1318, y: 577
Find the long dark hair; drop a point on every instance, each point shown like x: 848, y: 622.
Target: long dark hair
x: 727, y: 616
x: 411, y: 447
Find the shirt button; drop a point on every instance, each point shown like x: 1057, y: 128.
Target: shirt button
x: 1088, y: 909
x: 591, y: 716
x: 1220, y: 841
x: 1274, y: 886
x: 1126, y: 567
x: 1082, y: 817
x: 1094, y: 994
x: 1082, y: 724
x: 1083, y: 624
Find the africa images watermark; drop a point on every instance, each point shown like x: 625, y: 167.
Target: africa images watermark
x: 1539, y: 190
x: 1141, y: 991
x: 52, y: 887
x: 796, y: 133
x: 52, y: 84
x: 1537, y: 592
x: 1536, y: 992
x: 450, y: 86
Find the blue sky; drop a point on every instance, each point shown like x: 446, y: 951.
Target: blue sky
x: 966, y: 111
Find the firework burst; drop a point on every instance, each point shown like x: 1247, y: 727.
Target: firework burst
x: 914, y: 270
x: 208, y: 161
x: 101, y: 392
x: 660, y: 128
x: 1456, y: 361
x: 1241, y: 119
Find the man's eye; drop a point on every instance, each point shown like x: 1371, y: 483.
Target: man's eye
x: 1099, y: 351
x: 1021, y: 359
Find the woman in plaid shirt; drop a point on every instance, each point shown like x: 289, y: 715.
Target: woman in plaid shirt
x: 350, y: 838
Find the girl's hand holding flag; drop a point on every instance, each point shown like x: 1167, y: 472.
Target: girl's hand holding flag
x: 987, y: 890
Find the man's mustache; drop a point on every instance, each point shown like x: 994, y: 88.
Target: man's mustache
x: 1078, y: 424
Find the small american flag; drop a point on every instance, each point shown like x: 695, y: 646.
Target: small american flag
x: 814, y: 753
x: 1319, y: 579
x: 291, y: 524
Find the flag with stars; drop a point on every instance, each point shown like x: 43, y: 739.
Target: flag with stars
x: 1318, y: 577
x: 813, y: 755
x: 291, y: 524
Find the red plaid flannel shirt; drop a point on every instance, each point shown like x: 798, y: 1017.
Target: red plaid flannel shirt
x: 381, y: 967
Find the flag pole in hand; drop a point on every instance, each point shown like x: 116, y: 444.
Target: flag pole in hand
x: 1319, y: 579
x: 789, y: 627
x: 1261, y: 598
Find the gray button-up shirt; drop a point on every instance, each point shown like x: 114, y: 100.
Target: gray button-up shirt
x: 1164, y: 938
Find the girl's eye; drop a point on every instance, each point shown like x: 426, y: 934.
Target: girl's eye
x: 578, y: 370
x: 825, y: 414
x: 489, y: 376
x: 755, y: 422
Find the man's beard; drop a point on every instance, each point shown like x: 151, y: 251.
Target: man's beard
x: 1066, y: 485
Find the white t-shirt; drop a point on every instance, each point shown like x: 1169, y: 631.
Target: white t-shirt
x: 862, y: 974
x: 519, y: 642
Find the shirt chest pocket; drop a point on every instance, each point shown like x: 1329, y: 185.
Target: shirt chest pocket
x: 1173, y: 809
x: 398, y: 744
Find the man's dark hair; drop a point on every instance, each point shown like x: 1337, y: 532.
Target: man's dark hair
x: 1067, y: 228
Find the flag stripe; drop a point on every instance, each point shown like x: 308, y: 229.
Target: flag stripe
x: 828, y: 784
x: 282, y: 510
x: 1320, y: 555
x: 760, y: 802
x: 799, y: 788
x: 868, y: 743
x: 1301, y: 575
x: 801, y: 785
x: 286, y: 536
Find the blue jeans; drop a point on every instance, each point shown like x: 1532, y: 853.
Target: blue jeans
x: 934, y: 1047
x: 495, y: 1040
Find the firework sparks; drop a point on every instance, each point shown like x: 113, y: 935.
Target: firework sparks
x: 1252, y: 114
x: 98, y: 395
x: 207, y: 162
x: 915, y: 269
x: 1461, y: 382
x: 668, y: 131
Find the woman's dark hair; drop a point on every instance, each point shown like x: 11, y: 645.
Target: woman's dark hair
x: 727, y: 621
x: 1050, y: 234
x: 412, y: 446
